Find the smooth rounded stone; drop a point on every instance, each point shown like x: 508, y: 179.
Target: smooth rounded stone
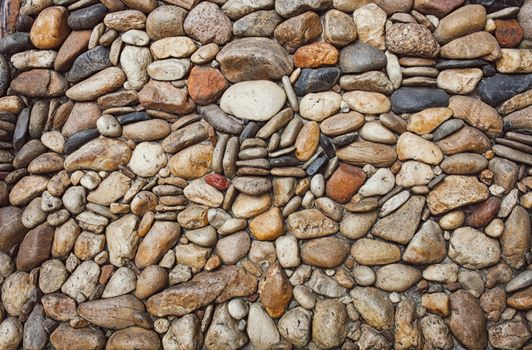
x: 260, y: 328
x: 219, y: 29
x: 87, y: 17
x: 342, y: 123
x: 295, y: 326
x: 364, y: 276
x: 329, y: 324
x: 147, y: 159
x: 35, y: 333
x: 465, y: 20
x: 268, y: 225
x: 379, y: 183
x: 367, y: 102
x: 514, y: 61
x: 466, y: 139
x: 338, y: 28
x: 275, y: 291
x: 101, y: 83
x: 169, y: 69
x: 177, y: 47
x: 242, y: 100
x: 50, y: 28
x: 375, y: 132
x: 447, y: 128
x: 364, y: 152
x: 307, y: 141
x: 16, y: 290
x: 472, y: 249
x: 477, y: 113
x: 459, y: 81
x: 40, y: 83
x: 84, y: 116
x: 134, y: 62
x: 233, y: 247
x: 344, y: 183
x: 370, y: 21
x: 326, y: 252
x: 64, y: 337
x: 123, y: 21
x: 15, y: 42
x: 165, y: 21
x: 467, y: 322
x: 464, y: 164
x: 206, y: 84
x: 262, y: 58
x: 310, y: 223
x: 287, y: 250
x: 52, y: 276
x: 99, y: 154
x: 411, y: 40
x: 456, y: 191
x: 319, y: 106
x: 28, y: 60
x: 524, y: 19
x: 134, y: 337
x: 425, y: 121
x: 374, y: 81
x: 372, y: 252
x: 12, y: 330
x: 135, y: 37
x: 414, y: 173
x: 192, y: 162
x: 246, y: 206
x: 179, y: 139
x: 482, y: 213
x: 27, y: 153
x: 200, y: 192
x: 500, y: 87
x: 298, y: 30
x: 121, y: 282
x: 152, y: 279
x: 292, y: 8
x: 26, y: 189
x: 516, y: 237
x: 108, y: 126
x: 35, y: 248
x: 360, y: 57
x: 122, y: 242
x: 415, y: 99
x: 257, y: 24
x: 33, y: 215
x: 315, y: 80
x: 410, y: 146
x: 396, y: 277
x: 475, y: 45
x: 374, y: 306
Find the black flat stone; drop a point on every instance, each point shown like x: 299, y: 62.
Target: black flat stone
x: 283, y: 161
x: 87, y: 17
x: 133, y: 117
x: 88, y: 63
x: 14, y: 43
x: 79, y: 139
x: 346, y: 139
x: 496, y: 5
x: 415, y: 99
x: 250, y: 130
x: 501, y: 87
x: 5, y: 74
x: 21, y: 129
x: 317, y: 165
x: 327, y: 146
x: 450, y: 64
x: 316, y: 80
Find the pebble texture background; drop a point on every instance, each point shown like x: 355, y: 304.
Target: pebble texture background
x: 260, y: 174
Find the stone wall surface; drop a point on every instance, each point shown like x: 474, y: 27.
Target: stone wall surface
x: 265, y: 174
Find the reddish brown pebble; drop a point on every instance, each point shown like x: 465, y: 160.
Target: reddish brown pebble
x: 316, y: 55
x: 508, y: 33
x: 344, y: 183
x: 205, y: 84
x: 217, y: 181
x: 483, y: 213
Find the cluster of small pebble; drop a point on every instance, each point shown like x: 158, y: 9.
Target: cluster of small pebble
x: 266, y: 174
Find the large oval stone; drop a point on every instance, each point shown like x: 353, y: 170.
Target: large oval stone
x: 99, y: 154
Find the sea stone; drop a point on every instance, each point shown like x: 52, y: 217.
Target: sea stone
x: 219, y: 29
x: 101, y: 83
x: 40, y: 83
x: 254, y: 59
x: 99, y: 154
x: 344, y: 183
x: 411, y: 40
x: 456, y: 191
x: 374, y: 306
x: 473, y: 249
x: 476, y: 45
x: 298, y: 30
x: 310, y: 223
x: 515, y: 239
x: 370, y: 21
x: 476, y: 113
x: 50, y: 28
x: 467, y: 321
x: 466, y: 20
x: 338, y: 28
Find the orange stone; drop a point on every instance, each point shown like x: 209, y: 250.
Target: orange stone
x: 508, y: 32
x: 344, y: 183
x: 268, y: 225
x: 206, y: 84
x: 275, y: 291
x: 307, y: 141
x: 50, y: 28
x: 316, y: 55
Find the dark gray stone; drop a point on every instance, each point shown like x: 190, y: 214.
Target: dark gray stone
x: 327, y: 146
x: 315, y: 80
x: 14, y: 43
x: 21, y: 129
x: 496, y: 5
x: 87, y: 17
x: 79, y: 139
x: 219, y: 120
x: 447, y: 128
x: 450, y: 64
x: 132, y: 117
x: 360, y: 58
x: 317, y: 165
x: 5, y: 74
x: 250, y: 130
x: 489, y: 70
x: 28, y: 152
x: 284, y: 161
x: 344, y: 140
x: 501, y: 87
x: 415, y: 99
x: 24, y: 23
x: 88, y: 63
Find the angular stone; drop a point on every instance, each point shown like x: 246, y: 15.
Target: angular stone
x: 370, y: 21
x: 374, y: 306
x: 329, y: 324
x: 275, y: 291
x: 164, y: 96
x: 315, y: 80
x: 310, y: 223
x: 410, y: 146
x: 466, y: 139
x: 407, y: 216
x: 338, y: 28
x: 298, y: 30
x: 427, y: 246
x: 219, y: 29
x: 205, y: 84
x: 472, y: 249
x: 456, y: 191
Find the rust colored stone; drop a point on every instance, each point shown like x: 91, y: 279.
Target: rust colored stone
x: 483, y: 213
x: 344, y: 183
x: 509, y: 32
x: 315, y: 55
x: 206, y: 84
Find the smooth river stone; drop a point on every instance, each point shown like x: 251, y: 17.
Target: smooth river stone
x: 476, y: 45
x: 315, y: 80
x: 253, y: 100
x: 101, y: 154
x: 454, y: 192
x: 466, y: 20
x: 364, y: 152
x: 501, y: 87
x: 415, y: 99
x: 101, y: 83
x: 310, y: 223
x: 476, y: 113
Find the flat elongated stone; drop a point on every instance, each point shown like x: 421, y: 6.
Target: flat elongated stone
x: 414, y: 99
x: 364, y: 152
x: 315, y: 80
x: 500, y: 87
x: 100, y: 154
x: 101, y: 83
